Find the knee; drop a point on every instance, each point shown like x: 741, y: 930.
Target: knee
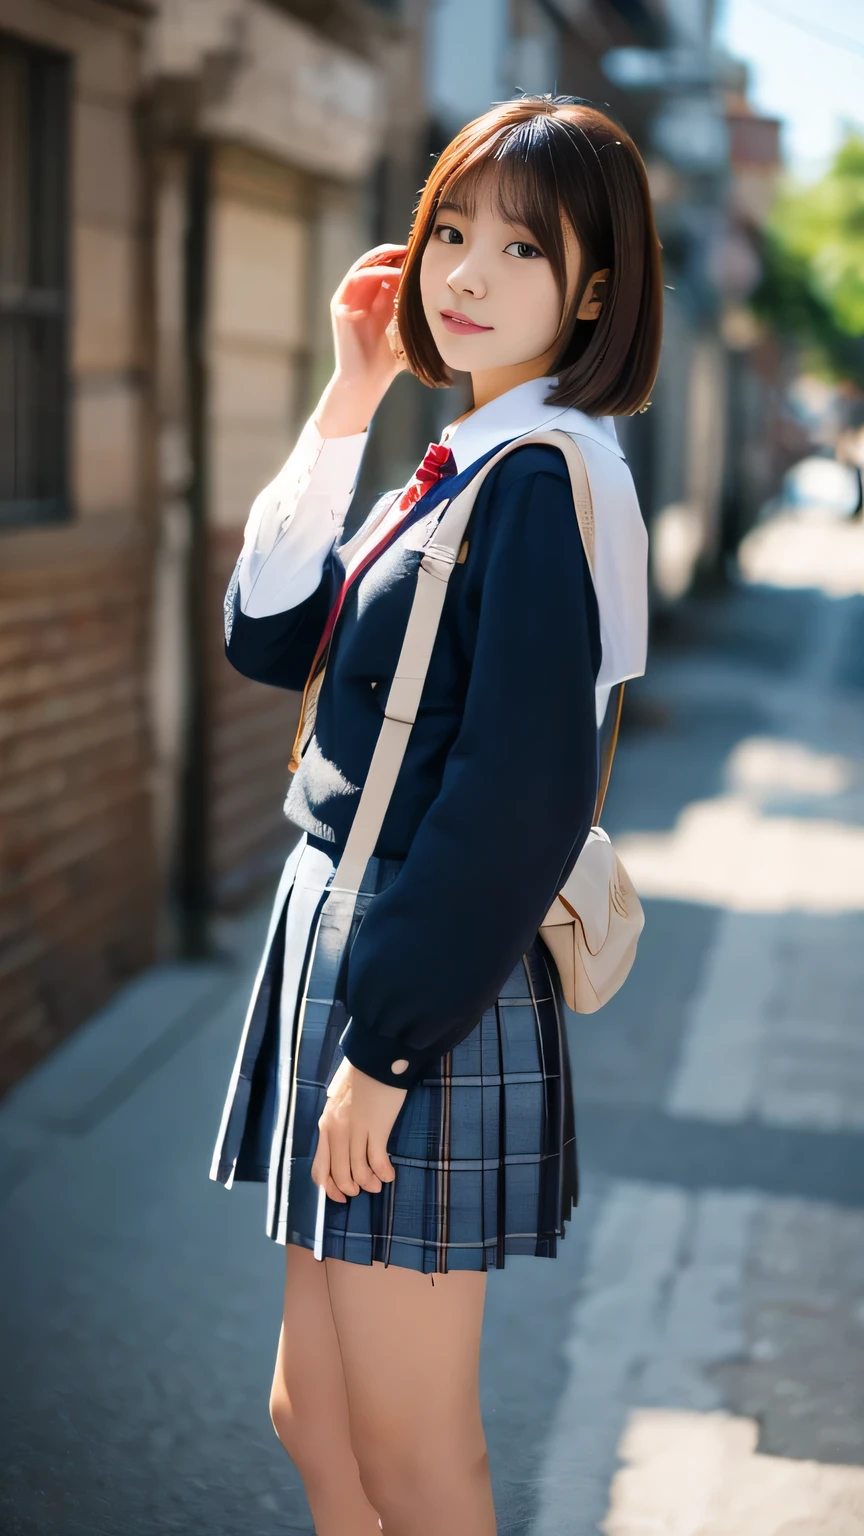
x: 282, y: 1415
x: 304, y: 1447
x: 399, y: 1480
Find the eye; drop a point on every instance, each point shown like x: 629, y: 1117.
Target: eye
x: 522, y: 249
x: 447, y: 234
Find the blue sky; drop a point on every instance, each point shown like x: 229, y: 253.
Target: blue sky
x: 815, y: 84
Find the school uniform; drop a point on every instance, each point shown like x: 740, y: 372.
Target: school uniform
x: 442, y: 966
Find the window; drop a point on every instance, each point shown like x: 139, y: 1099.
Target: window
x: 34, y: 138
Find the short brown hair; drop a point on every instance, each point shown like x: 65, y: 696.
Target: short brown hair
x: 557, y: 161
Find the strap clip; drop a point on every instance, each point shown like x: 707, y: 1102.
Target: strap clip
x: 438, y: 560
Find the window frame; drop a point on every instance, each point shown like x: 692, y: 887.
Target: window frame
x: 35, y: 300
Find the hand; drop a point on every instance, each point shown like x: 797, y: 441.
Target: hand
x: 353, y: 1132
x: 360, y: 311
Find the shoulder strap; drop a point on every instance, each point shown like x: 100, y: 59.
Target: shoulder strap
x: 403, y: 700
x: 608, y: 757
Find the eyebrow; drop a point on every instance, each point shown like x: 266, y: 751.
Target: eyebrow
x: 451, y: 207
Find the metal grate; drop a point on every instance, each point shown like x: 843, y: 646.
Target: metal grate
x: 34, y: 142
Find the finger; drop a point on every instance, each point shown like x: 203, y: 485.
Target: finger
x: 386, y: 255
x: 385, y: 297
x: 321, y: 1174
x: 321, y: 1161
x: 379, y: 1161
x: 351, y: 304
x: 354, y: 308
x: 340, y: 1165
x: 365, y: 280
x: 364, y: 1175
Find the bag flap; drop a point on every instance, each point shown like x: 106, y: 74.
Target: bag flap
x: 588, y: 888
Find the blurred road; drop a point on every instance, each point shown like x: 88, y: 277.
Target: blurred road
x: 694, y: 1360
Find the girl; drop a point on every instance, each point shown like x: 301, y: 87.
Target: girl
x: 416, y: 1121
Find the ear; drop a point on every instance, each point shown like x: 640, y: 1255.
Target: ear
x: 591, y: 302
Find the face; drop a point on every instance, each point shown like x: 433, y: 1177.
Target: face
x: 489, y: 293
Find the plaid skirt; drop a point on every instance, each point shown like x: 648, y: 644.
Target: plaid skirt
x: 483, y: 1147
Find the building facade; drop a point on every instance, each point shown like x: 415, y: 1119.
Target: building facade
x: 78, y: 879
x: 263, y: 132
x: 183, y: 183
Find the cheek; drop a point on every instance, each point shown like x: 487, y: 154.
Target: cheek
x: 535, y: 306
x: 548, y: 304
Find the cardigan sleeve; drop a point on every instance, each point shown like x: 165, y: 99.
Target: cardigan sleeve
x: 516, y: 800
x: 288, y: 572
x: 279, y: 648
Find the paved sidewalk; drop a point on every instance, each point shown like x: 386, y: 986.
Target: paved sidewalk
x: 716, y: 1349
x: 693, y: 1363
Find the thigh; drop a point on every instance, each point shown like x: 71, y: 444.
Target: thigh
x: 410, y: 1355
x: 309, y: 1393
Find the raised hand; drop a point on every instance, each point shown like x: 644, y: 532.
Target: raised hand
x: 360, y: 311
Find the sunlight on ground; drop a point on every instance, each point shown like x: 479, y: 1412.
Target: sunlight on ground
x: 728, y: 852
x: 700, y: 1474
x: 806, y: 550
x: 766, y: 765
x: 725, y: 853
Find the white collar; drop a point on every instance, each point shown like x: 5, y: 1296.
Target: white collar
x: 521, y: 410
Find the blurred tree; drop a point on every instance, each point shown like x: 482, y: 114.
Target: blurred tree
x: 813, y: 255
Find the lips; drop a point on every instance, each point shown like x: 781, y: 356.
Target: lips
x: 460, y: 325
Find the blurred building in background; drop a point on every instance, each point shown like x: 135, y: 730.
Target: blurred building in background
x: 79, y: 880
x: 264, y: 126
x: 183, y: 183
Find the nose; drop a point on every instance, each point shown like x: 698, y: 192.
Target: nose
x: 467, y: 278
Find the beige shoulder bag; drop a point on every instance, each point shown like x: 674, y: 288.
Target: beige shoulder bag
x: 593, y: 926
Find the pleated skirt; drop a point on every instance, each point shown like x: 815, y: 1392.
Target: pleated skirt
x: 483, y: 1147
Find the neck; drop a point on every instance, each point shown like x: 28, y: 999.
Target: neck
x: 489, y: 385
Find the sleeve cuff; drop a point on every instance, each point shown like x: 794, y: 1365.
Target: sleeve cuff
x: 375, y: 1055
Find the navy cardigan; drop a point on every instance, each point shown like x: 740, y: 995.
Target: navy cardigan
x: 495, y: 796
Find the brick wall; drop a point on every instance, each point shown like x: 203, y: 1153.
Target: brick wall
x: 77, y: 896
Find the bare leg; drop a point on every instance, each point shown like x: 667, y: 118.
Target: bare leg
x: 309, y: 1403
x: 411, y: 1355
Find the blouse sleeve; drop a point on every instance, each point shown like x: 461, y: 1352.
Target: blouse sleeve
x: 295, y: 522
x: 288, y: 572
x: 515, y: 804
